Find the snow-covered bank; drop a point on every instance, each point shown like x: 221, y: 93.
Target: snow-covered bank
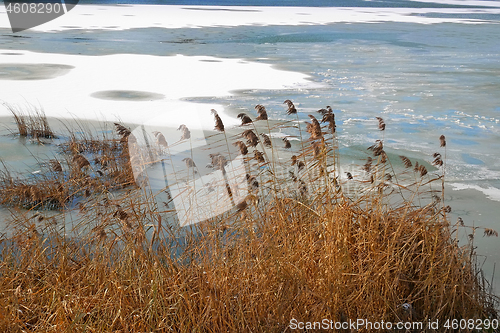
x: 130, y: 87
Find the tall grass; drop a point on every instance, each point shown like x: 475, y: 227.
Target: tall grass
x: 305, y: 242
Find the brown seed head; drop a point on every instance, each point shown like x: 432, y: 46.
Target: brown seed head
x: 55, y: 165
x: 423, y: 170
x: 314, y: 129
x: 330, y: 119
x: 189, y: 162
x: 243, y: 148
x: 252, y: 138
x: 267, y: 141
x: 186, y: 134
x: 288, y: 145
x: 252, y: 181
x: 406, y: 161
x: 442, y: 139
x: 291, y: 107
x: 381, y: 123
x: 261, y: 110
x: 259, y: 156
x: 218, y: 161
x: 160, y: 139
x: 122, y: 130
x: 377, y: 148
x: 121, y: 215
x: 219, y: 125
x: 490, y: 232
x: 244, y: 119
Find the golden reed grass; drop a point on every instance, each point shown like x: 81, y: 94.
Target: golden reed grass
x: 301, y: 245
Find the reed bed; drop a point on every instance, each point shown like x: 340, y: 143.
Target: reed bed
x: 301, y: 241
x: 86, y: 164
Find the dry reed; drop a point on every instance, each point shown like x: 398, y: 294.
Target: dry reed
x: 291, y: 107
x: 31, y: 122
x: 245, y: 119
x: 307, y: 251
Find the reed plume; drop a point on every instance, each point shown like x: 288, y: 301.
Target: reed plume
x: 160, y: 139
x: 259, y: 156
x: 420, y: 169
x: 189, y: 162
x: 122, y: 130
x: 442, y: 140
x: 317, y: 148
x: 244, y: 119
x: 406, y: 161
x: 252, y: 182
x: 300, y: 165
x: 329, y: 117
x: 291, y: 107
x: 55, y: 166
x: 218, y: 161
x: 381, y: 123
x: 288, y: 145
x: 377, y: 148
x: 186, y: 134
x: 252, y: 138
x: 261, y: 110
x: 266, y: 141
x: 383, y: 157
x: 242, y: 206
x: 490, y: 232
x: 325, y: 111
x: 219, y: 125
x: 314, y: 128
x: 125, y: 134
x: 242, y: 147
x: 437, y: 159
x: 120, y: 214
x: 302, y: 188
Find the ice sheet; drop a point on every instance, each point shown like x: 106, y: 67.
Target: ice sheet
x: 121, y: 17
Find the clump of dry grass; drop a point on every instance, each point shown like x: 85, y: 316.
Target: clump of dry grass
x: 297, y: 246
x: 31, y: 122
